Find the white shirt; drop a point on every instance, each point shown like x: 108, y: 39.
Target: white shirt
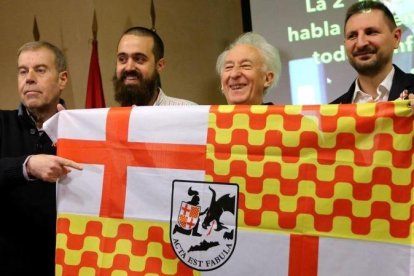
x: 163, y: 99
x: 383, y: 90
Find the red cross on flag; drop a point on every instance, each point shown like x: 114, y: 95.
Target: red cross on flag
x: 236, y: 190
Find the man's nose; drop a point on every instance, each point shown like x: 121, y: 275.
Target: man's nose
x: 30, y: 77
x: 129, y: 65
x: 361, y: 41
x: 235, y: 72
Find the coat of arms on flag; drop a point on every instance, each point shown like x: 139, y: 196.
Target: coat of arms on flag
x: 188, y: 216
x: 320, y: 190
x: 203, y: 227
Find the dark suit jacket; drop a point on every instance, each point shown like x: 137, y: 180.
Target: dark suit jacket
x: 28, y: 208
x: 400, y: 82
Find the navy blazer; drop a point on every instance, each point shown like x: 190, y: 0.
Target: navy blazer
x: 400, y: 82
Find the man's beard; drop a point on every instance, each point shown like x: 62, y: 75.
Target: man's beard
x: 372, y: 67
x: 135, y: 94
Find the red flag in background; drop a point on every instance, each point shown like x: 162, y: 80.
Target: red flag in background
x: 94, y: 94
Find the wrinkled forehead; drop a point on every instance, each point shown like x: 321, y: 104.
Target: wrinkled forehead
x: 36, y: 56
x: 244, y: 52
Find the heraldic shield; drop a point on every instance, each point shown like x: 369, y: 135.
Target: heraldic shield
x: 203, y: 223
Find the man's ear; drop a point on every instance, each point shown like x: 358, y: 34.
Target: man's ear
x: 63, y: 79
x: 397, y: 37
x: 269, y: 77
x: 161, y: 65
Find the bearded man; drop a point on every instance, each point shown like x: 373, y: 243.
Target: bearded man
x: 140, y: 60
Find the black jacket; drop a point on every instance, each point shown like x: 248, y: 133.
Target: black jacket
x: 28, y: 208
x: 400, y: 82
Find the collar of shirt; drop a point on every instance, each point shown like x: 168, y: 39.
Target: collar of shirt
x: 383, y: 90
x: 40, y: 130
x: 160, y: 97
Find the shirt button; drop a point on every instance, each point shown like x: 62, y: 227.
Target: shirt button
x: 32, y: 131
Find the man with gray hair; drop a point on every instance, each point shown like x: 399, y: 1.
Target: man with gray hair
x: 29, y: 168
x: 247, y: 69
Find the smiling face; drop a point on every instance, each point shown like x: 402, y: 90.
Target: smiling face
x: 135, y: 55
x: 137, y: 71
x: 244, y: 78
x: 39, y: 82
x: 370, y: 42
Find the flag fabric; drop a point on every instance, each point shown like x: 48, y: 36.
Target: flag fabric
x: 94, y: 93
x: 236, y: 190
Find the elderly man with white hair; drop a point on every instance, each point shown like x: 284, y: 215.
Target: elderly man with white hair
x: 247, y: 69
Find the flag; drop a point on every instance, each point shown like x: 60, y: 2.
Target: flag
x: 236, y: 190
x: 94, y: 93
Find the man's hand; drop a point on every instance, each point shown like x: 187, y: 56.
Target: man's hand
x: 411, y: 98
x: 60, y: 107
x: 49, y: 167
x: 405, y: 95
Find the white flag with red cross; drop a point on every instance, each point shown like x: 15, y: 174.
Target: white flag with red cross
x: 236, y: 190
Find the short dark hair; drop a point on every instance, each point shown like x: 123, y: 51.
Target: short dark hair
x: 364, y: 6
x: 158, y: 49
x: 60, y: 60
